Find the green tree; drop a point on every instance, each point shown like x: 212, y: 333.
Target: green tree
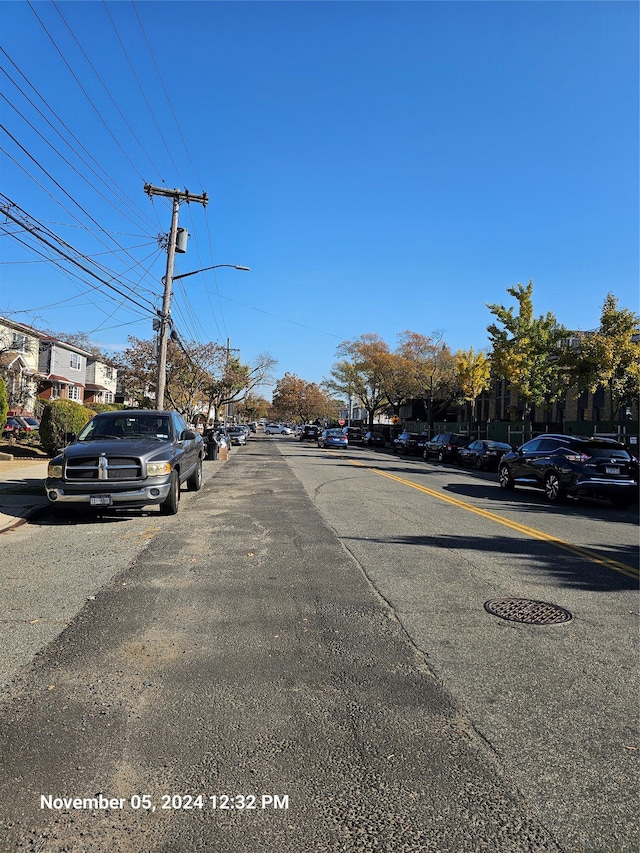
x: 525, y: 349
x: 362, y: 373
x: 608, y: 356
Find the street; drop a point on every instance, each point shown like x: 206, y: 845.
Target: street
x: 301, y: 659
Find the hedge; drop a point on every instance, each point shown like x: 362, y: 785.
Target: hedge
x: 58, y: 418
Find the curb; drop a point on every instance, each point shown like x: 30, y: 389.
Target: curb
x: 32, y: 511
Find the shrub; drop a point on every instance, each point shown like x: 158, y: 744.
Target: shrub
x: 58, y: 418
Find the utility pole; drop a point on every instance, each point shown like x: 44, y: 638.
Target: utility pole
x: 165, y: 315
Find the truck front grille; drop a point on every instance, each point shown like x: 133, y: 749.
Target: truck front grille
x: 104, y: 468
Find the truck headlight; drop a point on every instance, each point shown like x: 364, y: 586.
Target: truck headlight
x: 54, y: 470
x: 154, y: 469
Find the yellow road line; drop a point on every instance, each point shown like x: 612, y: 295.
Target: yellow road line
x: 592, y: 556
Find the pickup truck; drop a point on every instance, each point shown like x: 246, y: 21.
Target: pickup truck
x: 128, y: 458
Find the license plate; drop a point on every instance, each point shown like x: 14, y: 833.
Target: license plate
x: 610, y: 470
x: 100, y: 500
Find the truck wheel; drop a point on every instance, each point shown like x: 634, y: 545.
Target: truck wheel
x: 194, y: 483
x: 169, y: 505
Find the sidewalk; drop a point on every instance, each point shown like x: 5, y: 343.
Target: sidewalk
x: 21, y: 490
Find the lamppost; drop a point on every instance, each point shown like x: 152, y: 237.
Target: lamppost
x: 164, y: 323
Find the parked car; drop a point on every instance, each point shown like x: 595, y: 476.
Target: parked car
x: 564, y: 465
x: 309, y: 432
x: 12, y: 427
x: 355, y: 435
x: 28, y: 423
x: 129, y: 458
x: 406, y: 442
x: 332, y: 438
x: 237, y: 434
x: 483, y: 453
x: 373, y: 439
x: 444, y: 446
x: 277, y: 429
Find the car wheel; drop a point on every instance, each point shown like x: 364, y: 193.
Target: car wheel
x: 505, y: 479
x: 479, y: 465
x: 441, y: 456
x: 194, y: 483
x: 552, y: 487
x: 425, y: 455
x: 169, y: 505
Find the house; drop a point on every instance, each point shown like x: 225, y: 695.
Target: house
x: 64, y: 370
x: 101, y: 381
x: 19, y: 365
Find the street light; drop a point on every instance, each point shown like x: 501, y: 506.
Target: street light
x: 214, y: 267
x: 167, y: 281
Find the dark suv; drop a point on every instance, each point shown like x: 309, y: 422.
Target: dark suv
x: 355, y: 435
x: 129, y: 458
x: 406, y: 442
x: 571, y: 465
x: 445, y: 446
x: 310, y: 432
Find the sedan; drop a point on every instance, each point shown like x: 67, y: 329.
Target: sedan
x: 12, y: 427
x: 332, y: 438
x: 563, y: 465
x: 237, y: 435
x: 483, y: 454
x: 29, y: 423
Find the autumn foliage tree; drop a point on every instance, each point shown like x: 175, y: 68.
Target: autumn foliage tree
x: 362, y: 373
x: 297, y: 399
x: 473, y: 371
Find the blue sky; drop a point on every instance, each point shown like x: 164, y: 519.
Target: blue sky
x: 380, y: 167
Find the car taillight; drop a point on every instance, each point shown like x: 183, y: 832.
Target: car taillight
x: 577, y: 457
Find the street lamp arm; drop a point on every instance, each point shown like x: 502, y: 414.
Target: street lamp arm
x: 214, y: 267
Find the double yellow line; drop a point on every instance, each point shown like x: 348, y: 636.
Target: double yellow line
x: 585, y: 553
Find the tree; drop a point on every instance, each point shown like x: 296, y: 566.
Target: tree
x: 4, y: 405
x: 433, y: 376
x: 297, y: 399
x: 473, y: 370
x: 608, y: 356
x: 253, y: 407
x: 525, y: 349
x: 363, y: 373
x: 200, y: 377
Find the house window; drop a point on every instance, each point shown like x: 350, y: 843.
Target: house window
x: 75, y: 361
x: 75, y: 393
x: 108, y: 396
x: 55, y: 392
x: 20, y: 342
x: 109, y: 372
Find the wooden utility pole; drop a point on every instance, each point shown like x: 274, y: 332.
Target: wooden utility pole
x: 165, y: 315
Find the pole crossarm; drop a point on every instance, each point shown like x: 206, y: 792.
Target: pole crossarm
x: 176, y: 196
x: 180, y: 195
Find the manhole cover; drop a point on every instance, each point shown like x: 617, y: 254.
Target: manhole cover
x: 528, y: 611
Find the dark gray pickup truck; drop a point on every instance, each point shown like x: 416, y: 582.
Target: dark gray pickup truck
x: 128, y: 458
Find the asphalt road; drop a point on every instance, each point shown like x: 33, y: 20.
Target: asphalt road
x: 305, y: 647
